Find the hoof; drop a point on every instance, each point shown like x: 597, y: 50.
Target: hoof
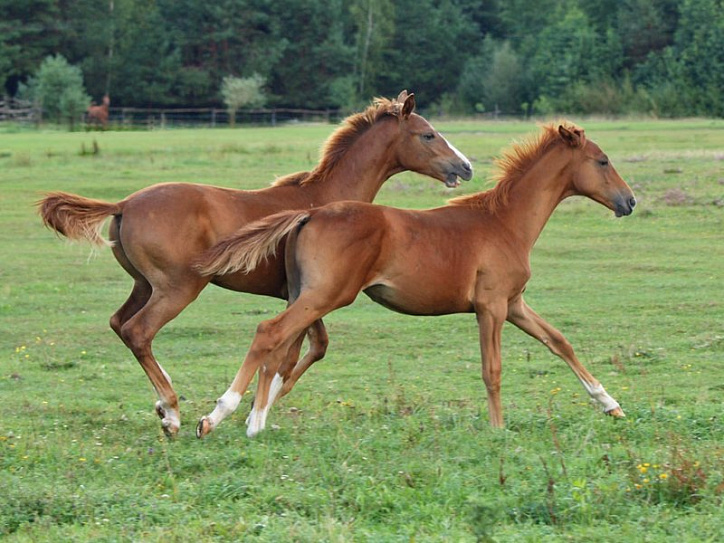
x: 169, y: 426
x: 203, y: 427
x: 170, y: 429
x: 616, y: 413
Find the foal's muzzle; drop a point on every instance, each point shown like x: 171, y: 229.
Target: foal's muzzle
x: 463, y: 170
x: 625, y: 206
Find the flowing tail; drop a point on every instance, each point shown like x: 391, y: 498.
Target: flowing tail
x: 245, y: 250
x: 76, y: 217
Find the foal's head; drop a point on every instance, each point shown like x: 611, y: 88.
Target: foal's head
x: 423, y: 149
x: 594, y: 175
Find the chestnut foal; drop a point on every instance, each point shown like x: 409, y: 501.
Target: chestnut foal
x: 471, y: 256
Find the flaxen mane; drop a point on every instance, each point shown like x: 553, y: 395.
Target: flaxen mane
x: 514, y: 163
x: 341, y: 140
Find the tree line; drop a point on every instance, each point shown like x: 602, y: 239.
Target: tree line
x: 659, y: 57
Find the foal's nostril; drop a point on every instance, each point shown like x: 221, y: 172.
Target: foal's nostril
x: 632, y: 202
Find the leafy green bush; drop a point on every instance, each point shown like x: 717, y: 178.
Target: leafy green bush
x: 58, y: 88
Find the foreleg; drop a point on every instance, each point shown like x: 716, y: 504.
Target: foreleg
x: 520, y: 314
x: 490, y: 324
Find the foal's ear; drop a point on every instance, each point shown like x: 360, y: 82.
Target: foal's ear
x: 409, y: 106
x: 402, y: 96
x: 573, y: 136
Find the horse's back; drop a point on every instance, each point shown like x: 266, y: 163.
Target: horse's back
x: 164, y: 228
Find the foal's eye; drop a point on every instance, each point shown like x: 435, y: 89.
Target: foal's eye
x: 603, y: 162
x: 428, y: 136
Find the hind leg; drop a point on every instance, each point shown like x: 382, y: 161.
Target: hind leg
x: 269, y: 388
x: 287, y: 374
x: 273, y: 343
x: 318, y: 342
x: 139, y: 297
x: 138, y: 333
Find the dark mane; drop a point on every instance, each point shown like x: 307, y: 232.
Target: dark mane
x: 340, y: 141
x: 514, y: 163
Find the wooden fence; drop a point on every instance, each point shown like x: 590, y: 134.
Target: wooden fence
x: 156, y: 118
x: 15, y: 110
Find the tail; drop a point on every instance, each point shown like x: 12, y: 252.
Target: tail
x: 244, y: 250
x: 76, y: 217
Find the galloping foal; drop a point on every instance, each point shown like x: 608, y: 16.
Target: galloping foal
x: 157, y: 233
x: 471, y: 256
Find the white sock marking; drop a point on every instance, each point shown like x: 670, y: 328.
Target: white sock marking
x: 274, y: 389
x: 599, y: 394
x: 225, y: 406
x: 257, y: 418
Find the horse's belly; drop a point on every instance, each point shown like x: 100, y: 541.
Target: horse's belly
x: 419, y: 301
x: 266, y: 280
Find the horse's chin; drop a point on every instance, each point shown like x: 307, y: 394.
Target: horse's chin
x: 452, y: 181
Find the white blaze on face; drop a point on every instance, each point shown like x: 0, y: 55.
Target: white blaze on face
x: 457, y: 152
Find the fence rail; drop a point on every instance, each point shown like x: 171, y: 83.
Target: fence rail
x: 15, y: 110
x: 212, y: 117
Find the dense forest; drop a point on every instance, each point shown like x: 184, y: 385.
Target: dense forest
x: 658, y: 57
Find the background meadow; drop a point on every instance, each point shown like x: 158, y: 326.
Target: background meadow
x: 386, y: 439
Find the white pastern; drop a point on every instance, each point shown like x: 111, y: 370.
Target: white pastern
x: 256, y: 421
x: 253, y: 423
x: 225, y: 406
x: 458, y: 153
x: 274, y: 389
x: 599, y: 394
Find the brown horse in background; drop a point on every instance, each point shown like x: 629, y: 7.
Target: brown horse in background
x: 98, y: 115
x: 471, y: 256
x: 157, y: 233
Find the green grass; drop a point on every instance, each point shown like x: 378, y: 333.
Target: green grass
x: 386, y: 439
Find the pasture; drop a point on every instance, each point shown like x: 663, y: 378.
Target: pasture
x: 387, y: 438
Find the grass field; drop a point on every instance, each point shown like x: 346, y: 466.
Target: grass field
x: 386, y: 439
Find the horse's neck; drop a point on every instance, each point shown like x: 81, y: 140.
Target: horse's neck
x: 364, y: 167
x: 534, y: 197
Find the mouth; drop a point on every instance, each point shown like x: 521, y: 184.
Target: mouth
x: 464, y: 171
x: 451, y: 181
